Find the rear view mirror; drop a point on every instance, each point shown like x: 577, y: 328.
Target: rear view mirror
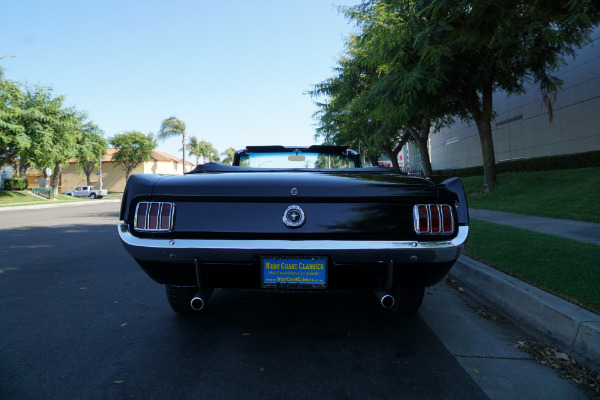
x: 296, y: 158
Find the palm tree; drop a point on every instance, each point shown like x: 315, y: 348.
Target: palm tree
x: 213, y: 156
x: 173, y: 127
x: 228, y: 156
x: 204, y: 149
x: 195, y: 148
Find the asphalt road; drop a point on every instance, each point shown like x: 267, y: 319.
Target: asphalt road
x: 80, y: 320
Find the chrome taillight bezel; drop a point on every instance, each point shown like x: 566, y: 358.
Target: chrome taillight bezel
x: 159, y: 218
x: 440, y: 211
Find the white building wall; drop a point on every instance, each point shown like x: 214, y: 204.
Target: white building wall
x: 522, y: 128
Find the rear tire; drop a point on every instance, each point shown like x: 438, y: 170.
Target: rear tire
x: 180, y: 298
x: 408, y: 299
x: 93, y: 196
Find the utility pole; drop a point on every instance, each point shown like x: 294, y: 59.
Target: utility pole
x: 100, y: 167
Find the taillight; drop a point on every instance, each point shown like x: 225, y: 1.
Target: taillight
x: 154, y: 216
x: 434, y: 213
x: 140, y: 216
x: 423, y: 219
x: 448, y: 219
x: 165, y: 216
x: 433, y: 219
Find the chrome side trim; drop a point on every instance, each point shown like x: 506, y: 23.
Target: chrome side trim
x: 183, y: 249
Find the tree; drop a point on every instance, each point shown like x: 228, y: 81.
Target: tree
x: 66, y: 135
x: 133, y: 148
x: 344, y: 115
x: 227, y: 156
x: 358, y: 111
x: 51, y: 130
x: 90, y: 149
x: 37, y: 129
x: 467, y: 49
x: 213, y: 154
x: 395, y: 101
x: 13, y: 138
x: 171, y: 127
x: 204, y: 149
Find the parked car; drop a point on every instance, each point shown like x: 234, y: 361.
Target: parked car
x: 87, y: 191
x: 294, y: 219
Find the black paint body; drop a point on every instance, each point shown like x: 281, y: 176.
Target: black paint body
x: 247, y: 204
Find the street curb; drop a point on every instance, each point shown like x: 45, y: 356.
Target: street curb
x: 570, y: 328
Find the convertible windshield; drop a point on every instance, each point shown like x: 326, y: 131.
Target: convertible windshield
x: 296, y: 160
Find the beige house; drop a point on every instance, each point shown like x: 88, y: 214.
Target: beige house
x: 113, y: 176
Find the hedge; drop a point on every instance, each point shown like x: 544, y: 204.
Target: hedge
x: 15, y: 184
x: 566, y: 161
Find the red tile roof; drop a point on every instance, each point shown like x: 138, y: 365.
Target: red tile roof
x: 157, y: 155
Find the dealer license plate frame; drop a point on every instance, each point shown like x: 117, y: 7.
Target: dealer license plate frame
x: 294, y: 278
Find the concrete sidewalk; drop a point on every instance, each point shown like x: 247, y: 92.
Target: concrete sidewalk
x: 568, y: 327
x: 582, y: 231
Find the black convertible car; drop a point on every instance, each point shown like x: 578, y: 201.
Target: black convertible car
x: 307, y: 219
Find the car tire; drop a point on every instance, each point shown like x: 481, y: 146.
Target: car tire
x: 93, y: 196
x: 180, y: 298
x: 408, y: 299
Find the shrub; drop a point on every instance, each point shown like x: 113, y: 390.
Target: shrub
x: 15, y: 184
x: 565, y: 161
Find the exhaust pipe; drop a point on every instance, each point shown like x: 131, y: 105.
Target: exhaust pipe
x: 199, y: 300
x: 197, y: 303
x: 385, y: 299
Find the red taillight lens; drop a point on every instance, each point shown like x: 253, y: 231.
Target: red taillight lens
x: 154, y: 216
x: 433, y: 219
x: 423, y: 219
x: 448, y: 220
x: 165, y: 216
x: 140, y: 216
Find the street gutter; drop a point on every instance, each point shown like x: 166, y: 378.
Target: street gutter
x: 571, y: 328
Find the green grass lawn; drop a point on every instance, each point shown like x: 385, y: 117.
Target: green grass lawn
x: 564, y: 267
x: 565, y: 194
x: 17, y: 197
x: 10, y: 198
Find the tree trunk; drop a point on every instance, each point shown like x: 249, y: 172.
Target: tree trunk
x: 56, y: 178
x: 373, y: 160
x: 393, y: 156
x: 399, y: 146
x: 484, y: 128
x: 183, y: 142
x: 87, y: 170
x: 490, y: 181
x: 23, y: 169
x: 421, y: 141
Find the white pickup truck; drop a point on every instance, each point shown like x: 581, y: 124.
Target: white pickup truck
x: 87, y: 191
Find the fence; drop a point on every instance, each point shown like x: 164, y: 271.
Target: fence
x: 47, y: 192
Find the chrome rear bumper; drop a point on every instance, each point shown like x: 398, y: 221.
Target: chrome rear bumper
x: 243, y: 251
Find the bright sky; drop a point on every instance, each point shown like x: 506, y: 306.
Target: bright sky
x: 234, y: 71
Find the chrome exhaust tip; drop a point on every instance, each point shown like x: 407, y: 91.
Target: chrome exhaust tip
x: 197, y: 303
x: 385, y: 299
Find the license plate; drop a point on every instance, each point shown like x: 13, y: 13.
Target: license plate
x: 294, y: 272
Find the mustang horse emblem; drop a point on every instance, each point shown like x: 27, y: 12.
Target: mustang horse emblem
x: 293, y: 217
